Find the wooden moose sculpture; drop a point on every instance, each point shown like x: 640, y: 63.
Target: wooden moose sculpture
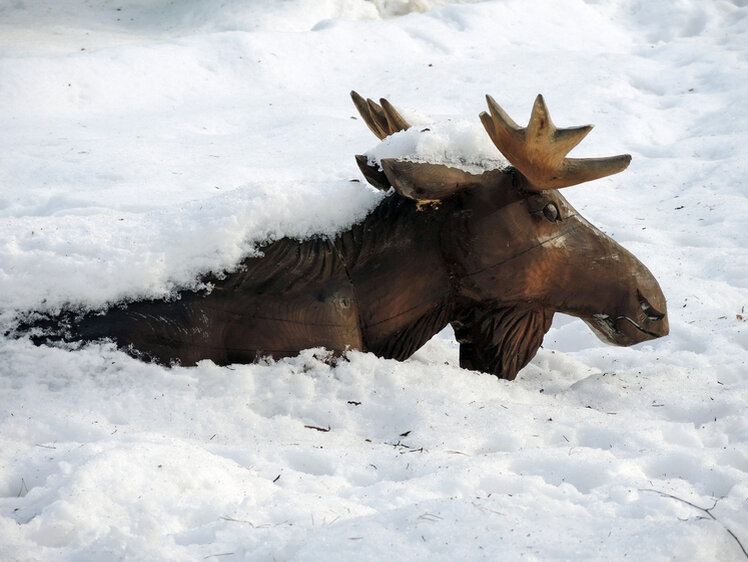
x: 500, y: 253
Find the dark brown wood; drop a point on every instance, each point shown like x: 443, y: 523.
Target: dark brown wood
x: 424, y: 181
x: 502, y: 340
x: 297, y: 296
x: 494, y: 254
x: 373, y: 174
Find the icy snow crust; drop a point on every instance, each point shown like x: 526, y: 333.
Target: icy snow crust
x: 146, y: 142
x: 458, y: 144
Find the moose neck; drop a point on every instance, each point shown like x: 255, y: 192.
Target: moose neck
x: 400, y: 279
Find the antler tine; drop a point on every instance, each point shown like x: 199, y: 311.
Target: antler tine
x: 394, y: 119
x: 540, y: 124
x: 365, y: 112
x: 580, y: 170
x: 383, y: 120
x: 377, y: 114
x: 500, y: 116
x: 542, y: 128
x: 539, y: 150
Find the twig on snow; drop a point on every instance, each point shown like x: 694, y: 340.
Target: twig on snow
x: 23, y: 485
x: 227, y: 518
x: 708, y: 511
x: 261, y: 526
x: 484, y: 509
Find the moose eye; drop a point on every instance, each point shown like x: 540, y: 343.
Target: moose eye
x: 550, y: 211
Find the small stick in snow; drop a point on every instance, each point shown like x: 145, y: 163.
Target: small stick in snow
x: 318, y: 428
x: 708, y: 511
x: 262, y: 526
x: 484, y: 509
x: 23, y: 485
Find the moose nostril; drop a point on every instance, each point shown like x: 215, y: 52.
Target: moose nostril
x: 651, y: 312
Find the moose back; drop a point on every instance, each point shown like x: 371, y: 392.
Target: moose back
x: 494, y: 254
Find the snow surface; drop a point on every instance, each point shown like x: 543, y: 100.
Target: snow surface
x: 145, y: 142
x: 458, y: 144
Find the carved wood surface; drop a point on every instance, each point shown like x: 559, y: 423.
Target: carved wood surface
x: 297, y: 296
x: 495, y: 254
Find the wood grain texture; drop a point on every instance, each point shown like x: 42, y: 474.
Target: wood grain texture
x: 295, y: 297
x: 494, y: 254
x: 500, y: 341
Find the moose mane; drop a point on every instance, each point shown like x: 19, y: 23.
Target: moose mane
x: 500, y: 340
x: 391, y: 220
x: 406, y: 342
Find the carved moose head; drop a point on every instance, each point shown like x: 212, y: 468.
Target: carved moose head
x: 517, y: 250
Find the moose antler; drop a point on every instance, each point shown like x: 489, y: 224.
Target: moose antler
x: 383, y: 120
x: 539, y: 150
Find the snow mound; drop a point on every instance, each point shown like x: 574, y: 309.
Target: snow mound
x: 459, y: 144
x: 110, y: 256
x: 393, y: 8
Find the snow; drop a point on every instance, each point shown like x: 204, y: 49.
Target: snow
x: 458, y: 144
x: 145, y: 143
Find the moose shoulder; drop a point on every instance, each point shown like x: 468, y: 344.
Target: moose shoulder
x: 494, y: 254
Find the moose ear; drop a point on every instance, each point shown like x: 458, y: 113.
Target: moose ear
x: 433, y: 182
x: 372, y: 174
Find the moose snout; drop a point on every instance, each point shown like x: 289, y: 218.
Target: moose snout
x: 645, y: 317
x: 633, y: 308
